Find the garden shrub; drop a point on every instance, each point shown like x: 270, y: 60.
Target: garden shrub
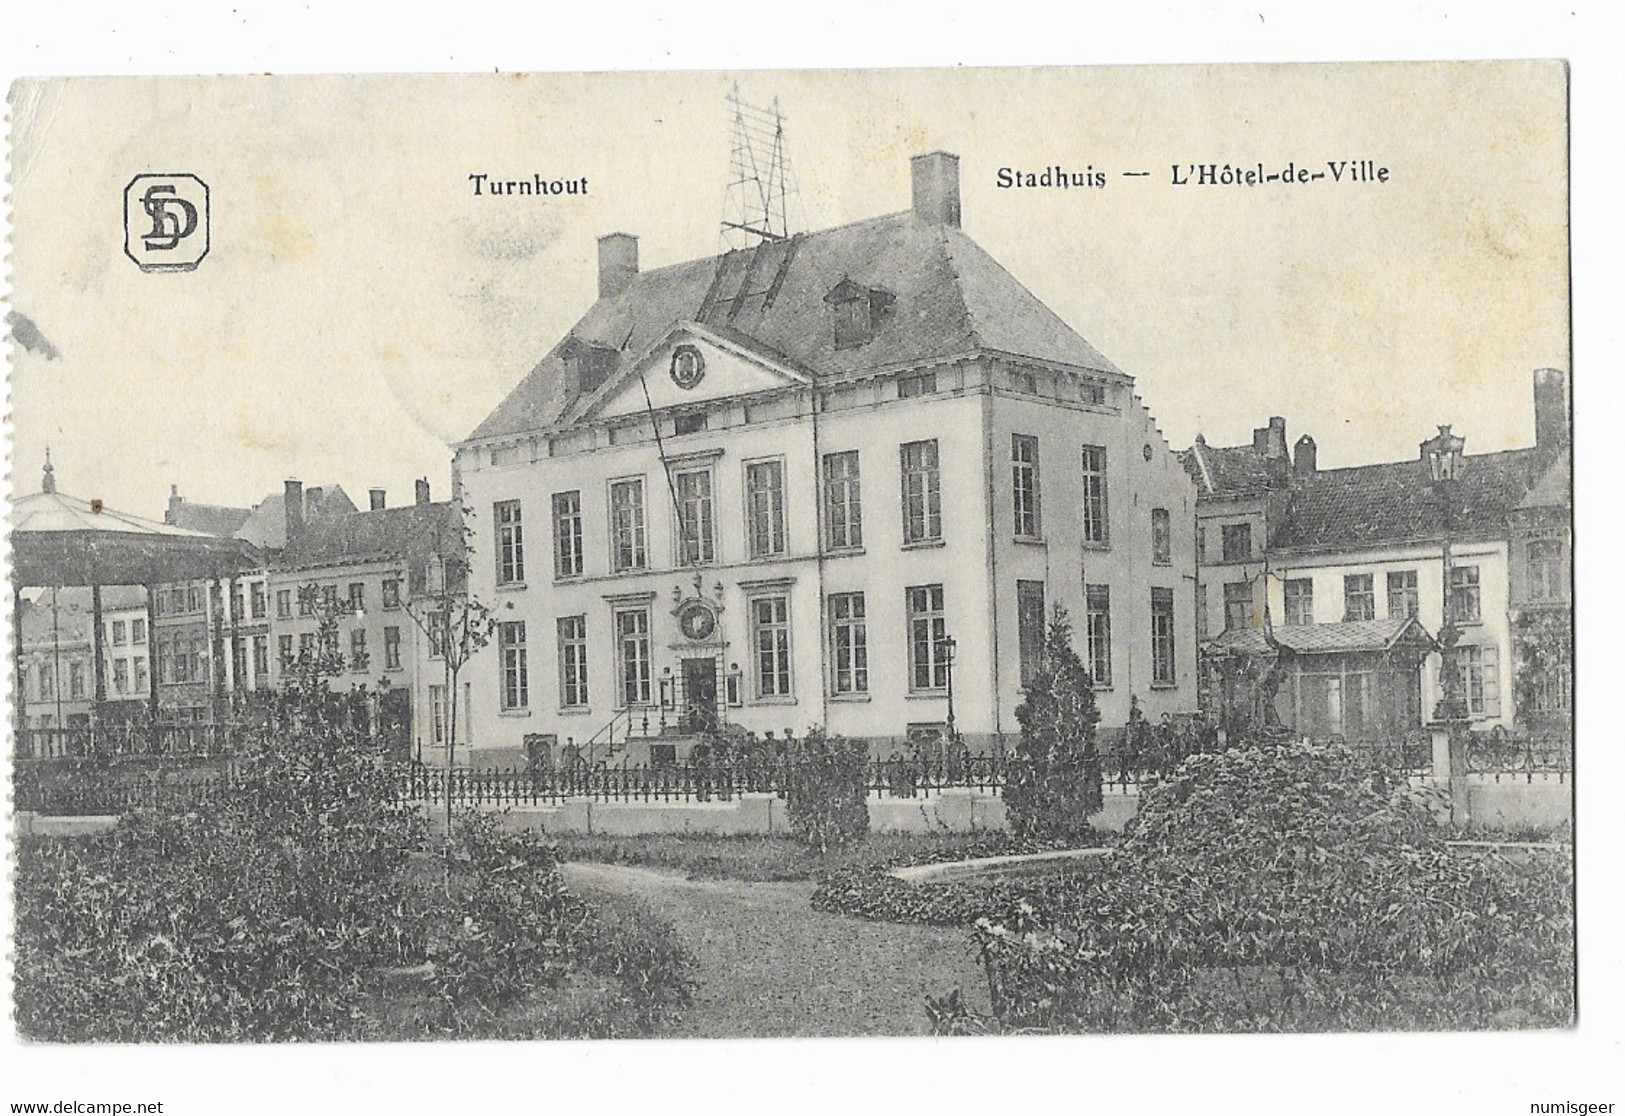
x: 877, y: 895
x: 1053, y: 782
x: 507, y: 927
x: 279, y: 908
x: 1288, y: 888
x: 828, y: 791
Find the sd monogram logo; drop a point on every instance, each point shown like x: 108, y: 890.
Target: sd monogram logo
x: 166, y: 221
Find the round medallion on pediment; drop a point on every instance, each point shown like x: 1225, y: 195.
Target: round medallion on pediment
x: 687, y: 366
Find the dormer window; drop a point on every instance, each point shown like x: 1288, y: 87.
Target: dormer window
x: 858, y: 310
x: 590, y: 364
x: 596, y: 365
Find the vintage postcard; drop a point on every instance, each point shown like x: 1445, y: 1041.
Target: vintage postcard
x: 744, y: 555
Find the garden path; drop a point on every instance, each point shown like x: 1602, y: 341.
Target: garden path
x: 770, y: 965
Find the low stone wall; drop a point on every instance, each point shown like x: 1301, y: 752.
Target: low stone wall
x: 748, y: 813
x: 1515, y: 801
x: 948, y: 811
x: 1510, y: 802
x: 30, y: 824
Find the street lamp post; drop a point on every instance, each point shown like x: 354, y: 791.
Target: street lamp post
x: 1443, y: 453
x: 947, y: 645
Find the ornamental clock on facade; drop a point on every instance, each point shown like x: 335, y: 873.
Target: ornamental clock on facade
x: 696, y: 620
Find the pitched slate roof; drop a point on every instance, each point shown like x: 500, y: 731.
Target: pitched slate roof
x: 949, y: 299
x: 74, y: 612
x: 1395, y: 502
x: 407, y: 535
x: 1328, y: 639
x: 1224, y: 470
x: 267, y: 524
x: 210, y: 519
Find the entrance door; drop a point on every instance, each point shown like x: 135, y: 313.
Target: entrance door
x: 699, y: 694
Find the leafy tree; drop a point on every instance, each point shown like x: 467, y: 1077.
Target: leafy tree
x: 1543, y: 642
x: 1054, y: 785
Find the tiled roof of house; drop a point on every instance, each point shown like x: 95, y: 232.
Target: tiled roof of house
x: 949, y: 298
x: 1222, y: 470
x: 1328, y: 639
x: 407, y: 535
x: 71, y: 622
x: 1396, y: 502
x: 1554, y: 489
x: 210, y: 519
x: 267, y: 526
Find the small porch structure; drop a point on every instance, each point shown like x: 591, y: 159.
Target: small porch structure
x: 1359, y: 679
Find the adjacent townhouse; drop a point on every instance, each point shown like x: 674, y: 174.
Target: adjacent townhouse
x: 835, y: 479
x: 1340, y: 575
x: 211, y: 639
x: 58, y: 654
x: 380, y: 574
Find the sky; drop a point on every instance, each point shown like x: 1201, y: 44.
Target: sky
x: 361, y: 309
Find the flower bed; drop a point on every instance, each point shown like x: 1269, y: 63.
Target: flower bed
x: 1285, y: 888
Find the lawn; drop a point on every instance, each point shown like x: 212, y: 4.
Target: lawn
x: 763, y: 859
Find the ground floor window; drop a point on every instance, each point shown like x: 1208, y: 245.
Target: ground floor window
x: 770, y: 645
x: 632, y: 655
x: 849, y: 644
x: 572, y: 661
x: 1162, y: 637
x: 1358, y: 697
x: 927, y: 628
x: 1480, y: 679
x: 437, y: 713
x: 1097, y: 632
x: 1030, y: 629
x: 511, y: 655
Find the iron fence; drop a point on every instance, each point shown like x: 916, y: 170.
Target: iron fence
x: 81, y: 787
x: 128, y: 739
x: 688, y: 782
x: 117, y: 783
x: 1504, y: 755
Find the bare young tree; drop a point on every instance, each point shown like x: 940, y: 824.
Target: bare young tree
x: 455, y: 624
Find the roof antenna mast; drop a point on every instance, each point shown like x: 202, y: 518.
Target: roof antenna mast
x: 761, y: 183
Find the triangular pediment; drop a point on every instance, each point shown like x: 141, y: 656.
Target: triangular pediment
x: 690, y: 364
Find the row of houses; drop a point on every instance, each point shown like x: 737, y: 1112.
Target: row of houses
x: 197, y: 652
x: 842, y: 479
x: 1347, y: 572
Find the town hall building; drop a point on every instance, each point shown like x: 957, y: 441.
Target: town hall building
x: 837, y: 478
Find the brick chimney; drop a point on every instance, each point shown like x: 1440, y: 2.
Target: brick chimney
x: 175, y: 503
x: 1551, y: 410
x: 422, y: 486
x: 1303, y: 457
x: 617, y: 263
x: 375, y: 499
x: 1269, y: 442
x: 293, y: 507
x: 936, y: 188
x: 313, y: 502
